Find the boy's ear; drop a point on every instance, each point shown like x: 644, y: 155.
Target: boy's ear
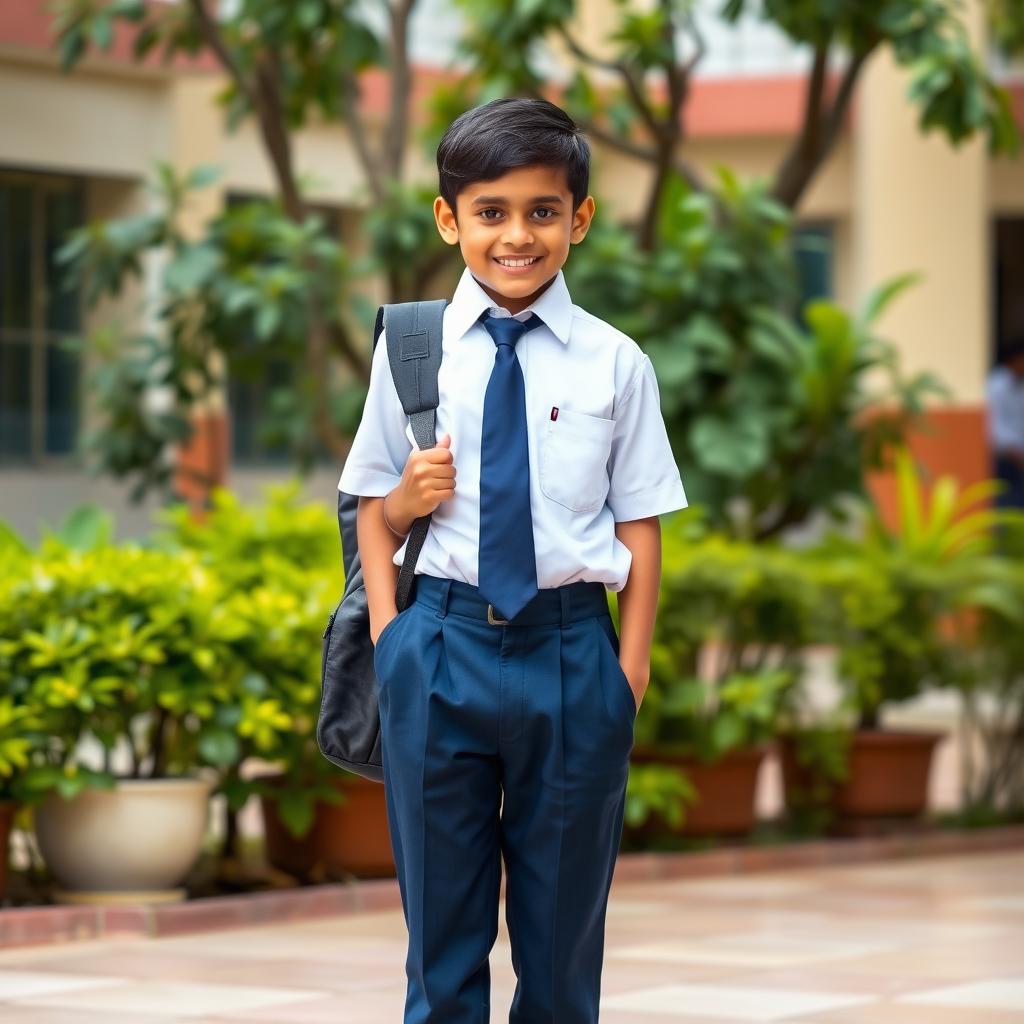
x: 581, y: 220
x: 447, y: 225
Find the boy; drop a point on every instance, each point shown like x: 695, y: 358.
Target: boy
x: 506, y: 700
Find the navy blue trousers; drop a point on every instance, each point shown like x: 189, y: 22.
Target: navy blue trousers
x: 504, y: 742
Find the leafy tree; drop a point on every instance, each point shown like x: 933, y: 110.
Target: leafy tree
x: 1007, y: 19
x: 772, y: 422
x: 248, y: 287
x: 285, y: 64
x: 634, y: 99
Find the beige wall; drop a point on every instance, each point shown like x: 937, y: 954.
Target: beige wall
x: 921, y: 205
x: 323, y: 156
x: 92, y: 124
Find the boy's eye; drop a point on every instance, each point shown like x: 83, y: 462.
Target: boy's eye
x: 494, y: 209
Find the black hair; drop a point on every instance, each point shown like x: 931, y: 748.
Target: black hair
x: 488, y: 141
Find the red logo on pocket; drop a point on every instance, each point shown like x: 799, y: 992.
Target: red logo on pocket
x: 554, y: 412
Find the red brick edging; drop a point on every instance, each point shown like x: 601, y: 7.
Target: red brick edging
x: 26, y: 926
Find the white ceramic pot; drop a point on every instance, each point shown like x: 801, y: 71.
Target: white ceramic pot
x: 132, y: 843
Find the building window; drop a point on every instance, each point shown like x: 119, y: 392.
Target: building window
x: 1009, y: 283
x: 814, y: 252
x: 40, y: 379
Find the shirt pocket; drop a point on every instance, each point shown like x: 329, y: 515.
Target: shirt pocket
x: 574, y: 460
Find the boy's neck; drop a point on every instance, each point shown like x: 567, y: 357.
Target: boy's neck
x: 515, y: 304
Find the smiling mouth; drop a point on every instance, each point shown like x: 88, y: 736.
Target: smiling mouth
x: 516, y: 262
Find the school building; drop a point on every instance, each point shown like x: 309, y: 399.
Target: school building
x: 78, y: 147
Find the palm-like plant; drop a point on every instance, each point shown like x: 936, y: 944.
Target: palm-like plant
x: 950, y: 524
x: 907, y: 595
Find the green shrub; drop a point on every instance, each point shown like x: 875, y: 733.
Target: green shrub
x: 733, y: 620
x: 279, y: 565
x: 200, y: 653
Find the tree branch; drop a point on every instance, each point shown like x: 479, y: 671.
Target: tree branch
x: 371, y: 167
x: 834, y: 121
x: 618, y: 68
x: 668, y: 133
x: 585, y: 55
x: 803, y: 151
x: 401, y: 87
x: 701, y: 45
x: 820, y: 129
x: 273, y: 126
x: 215, y: 40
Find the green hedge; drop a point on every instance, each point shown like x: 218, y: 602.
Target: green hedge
x: 201, y: 648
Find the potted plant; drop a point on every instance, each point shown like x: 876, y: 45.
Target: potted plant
x: 988, y: 674
x: 893, y: 601
x: 733, y: 620
x: 318, y: 822
x: 19, y: 727
x: 22, y: 734
x: 278, y: 561
x: 119, y: 646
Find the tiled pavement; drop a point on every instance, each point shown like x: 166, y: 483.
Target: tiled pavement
x: 926, y: 941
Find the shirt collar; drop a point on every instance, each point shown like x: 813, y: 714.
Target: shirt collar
x: 470, y: 301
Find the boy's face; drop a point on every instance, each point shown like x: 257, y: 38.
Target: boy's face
x: 524, y: 213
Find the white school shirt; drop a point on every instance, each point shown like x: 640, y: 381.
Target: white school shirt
x: 604, y: 458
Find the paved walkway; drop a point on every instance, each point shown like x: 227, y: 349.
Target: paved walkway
x: 936, y: 941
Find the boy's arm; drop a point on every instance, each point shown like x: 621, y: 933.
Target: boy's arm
x: 428, y: 478
x: 638, y: 599
x: 377, y: 547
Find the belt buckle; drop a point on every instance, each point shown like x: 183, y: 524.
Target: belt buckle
x: 492, y: 620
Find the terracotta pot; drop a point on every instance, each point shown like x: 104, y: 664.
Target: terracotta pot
x: 134, y: 843
x: 349, y: 838
x: 888, y: 776
x: 8, y: 808
x: 725, y: 789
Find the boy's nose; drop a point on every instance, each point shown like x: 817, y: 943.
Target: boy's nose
x: 517, y: 233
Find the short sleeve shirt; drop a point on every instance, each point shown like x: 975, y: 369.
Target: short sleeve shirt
x: 598, y: 448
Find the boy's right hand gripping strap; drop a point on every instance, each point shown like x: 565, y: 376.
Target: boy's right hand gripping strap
x: 413, y: 336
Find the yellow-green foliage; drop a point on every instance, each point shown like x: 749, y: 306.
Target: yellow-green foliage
x: 173, y: 657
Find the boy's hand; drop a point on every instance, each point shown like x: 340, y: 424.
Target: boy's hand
x: 375, y: 632
x: 427, y: 480
x: 638, y: 675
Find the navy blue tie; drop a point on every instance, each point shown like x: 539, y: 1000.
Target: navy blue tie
x: 507, y: 568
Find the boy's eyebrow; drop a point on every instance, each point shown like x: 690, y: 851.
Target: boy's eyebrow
x: 501, y: 201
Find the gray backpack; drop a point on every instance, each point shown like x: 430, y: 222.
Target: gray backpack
x: 348, y: 725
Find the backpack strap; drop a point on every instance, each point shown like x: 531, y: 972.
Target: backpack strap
x: 413, y: 341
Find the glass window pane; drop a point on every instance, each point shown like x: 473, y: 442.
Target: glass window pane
x: 15, y: 418
x: 63, y: 213
x: 62, y: 399
x: 36, y: 316
x: 813, y: 252
x: 62, y: 210
x: 15, y: 256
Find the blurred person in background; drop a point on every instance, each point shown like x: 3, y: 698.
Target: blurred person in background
x: 1005, y: 392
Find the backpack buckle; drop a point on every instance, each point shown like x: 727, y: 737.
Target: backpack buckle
x: 492, y: 620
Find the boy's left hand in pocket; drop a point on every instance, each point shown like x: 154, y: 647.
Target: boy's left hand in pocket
x: 638, y: 675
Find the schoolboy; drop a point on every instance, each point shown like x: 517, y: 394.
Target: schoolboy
x: 507, y: 702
